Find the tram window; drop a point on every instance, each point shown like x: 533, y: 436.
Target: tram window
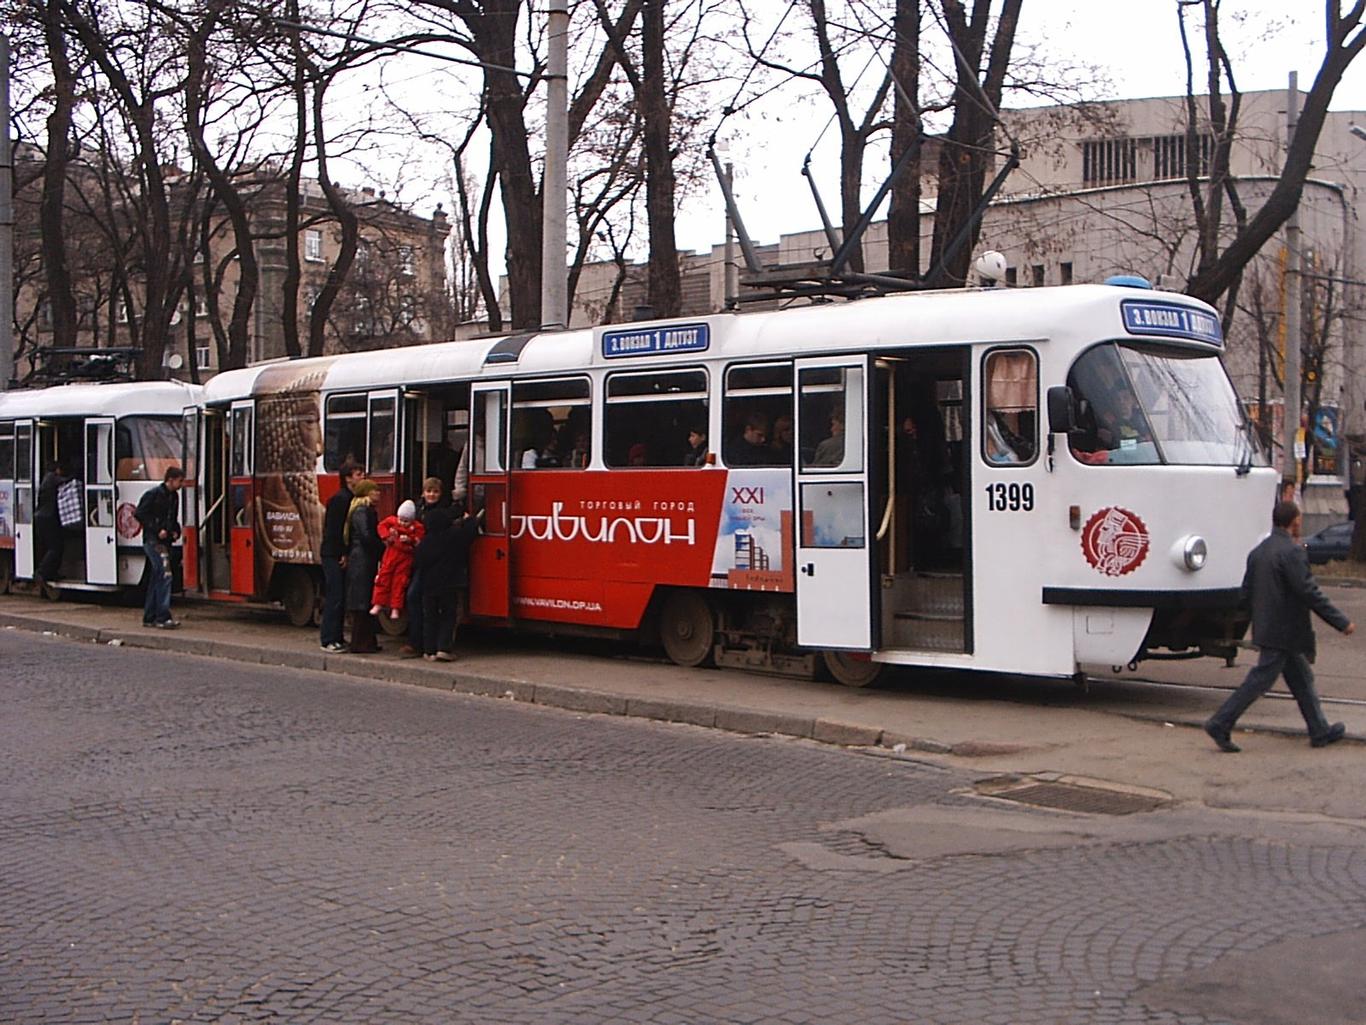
x: 757, y: 415
x: 1011, y: 411
x: 490, y: 421
x: 383, y: 419
x: 23, y: 453
x: 145, y: 447
x: 344, y: 434
x: 551, y: 424
x: 1113, y: 427
x: 647, y: 417
x: 241, y: 442
x: 831, y: 410
x: 7, y: 452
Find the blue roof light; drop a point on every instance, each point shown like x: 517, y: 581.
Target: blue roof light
x: 1129, y: 281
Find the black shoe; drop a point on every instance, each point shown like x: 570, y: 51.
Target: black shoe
x: 1221, y: 737
x: 1331, y: 735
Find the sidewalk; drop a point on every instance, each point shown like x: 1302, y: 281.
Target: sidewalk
x: 1122, y: 730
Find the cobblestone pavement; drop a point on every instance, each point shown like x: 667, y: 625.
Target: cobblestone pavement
x: 187, y: 839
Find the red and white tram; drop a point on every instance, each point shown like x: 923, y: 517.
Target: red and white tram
x: 1017, y: 480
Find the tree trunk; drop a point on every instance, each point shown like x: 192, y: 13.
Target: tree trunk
x: 289, y: 300
x: 350, y: 232
x: 903, y: 216
x: 52, y: 207
x: 248, y: 275
x: 665, y: 285
x: 494, y: 35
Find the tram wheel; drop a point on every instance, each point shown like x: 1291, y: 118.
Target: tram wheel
x: 299, y: 596
x: 6, y: 572
x: 393, y: 627
x: 687, y: 628
x: 851, y: 668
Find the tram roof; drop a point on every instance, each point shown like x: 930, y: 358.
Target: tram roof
x: 1079, y: 313
x: 137, y: 398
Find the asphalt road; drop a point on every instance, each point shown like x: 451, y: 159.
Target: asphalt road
x: 184, y: 839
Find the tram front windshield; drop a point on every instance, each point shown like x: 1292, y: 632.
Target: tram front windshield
x: 1146, y: 405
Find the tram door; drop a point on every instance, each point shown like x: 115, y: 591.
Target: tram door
x: 836, y: 572
x: 489, y: 490
x: 101, y: 551
x: 24, y: 536
x: 189, y: 502
x: 241, y: 508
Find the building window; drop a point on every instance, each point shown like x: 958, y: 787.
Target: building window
x: 203, y: 358
x: 313, y: 245
x: 1065, y: 273
x: 1171, y: 159
x: 1109, y: 161
x: 407, y: 266
x: 1036, y: 274
x: 1012, y: 277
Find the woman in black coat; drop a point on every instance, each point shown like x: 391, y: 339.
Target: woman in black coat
x: 364, y: 550
x: 47, y: 525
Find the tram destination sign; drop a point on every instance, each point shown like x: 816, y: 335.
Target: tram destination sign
x: 656, y: 341
x: 1171, y: 320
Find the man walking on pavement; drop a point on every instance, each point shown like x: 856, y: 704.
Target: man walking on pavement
x: 333, y: 554
x: 1282, y: 592
x: 159, y: 513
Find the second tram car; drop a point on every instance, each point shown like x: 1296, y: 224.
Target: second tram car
x: 1018, y: 480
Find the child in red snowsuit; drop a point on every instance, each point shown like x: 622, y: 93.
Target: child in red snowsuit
x: 400, y: 535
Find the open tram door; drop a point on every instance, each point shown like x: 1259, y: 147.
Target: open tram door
x: 189, y: 499
x: 25, y: 537
x: 101, y: 551
x: 837, y: 577
x: 241, y: 507
x: 489, y: 491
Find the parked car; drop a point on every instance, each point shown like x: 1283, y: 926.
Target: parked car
x: 1332, y: 542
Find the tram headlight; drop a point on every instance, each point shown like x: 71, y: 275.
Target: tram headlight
x: 1194, y: 552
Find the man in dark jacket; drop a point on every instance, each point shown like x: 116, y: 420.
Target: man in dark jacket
x: 159, y: 513
x: 443, y: 562
x: 1281, y: 591
x: 333, y: 555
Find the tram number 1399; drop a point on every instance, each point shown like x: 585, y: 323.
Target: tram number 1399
x: 1016, y: 497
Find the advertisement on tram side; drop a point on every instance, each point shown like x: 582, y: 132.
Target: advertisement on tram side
x: 591, y: 547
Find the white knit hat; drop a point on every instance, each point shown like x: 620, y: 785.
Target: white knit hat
x: 407, y: 511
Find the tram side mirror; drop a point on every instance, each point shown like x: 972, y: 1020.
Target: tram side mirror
x: 1062, y: 410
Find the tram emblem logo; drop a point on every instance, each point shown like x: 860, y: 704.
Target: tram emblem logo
x: 1115, y: 541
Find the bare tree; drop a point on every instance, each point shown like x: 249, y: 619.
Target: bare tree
x: 1218, y: 271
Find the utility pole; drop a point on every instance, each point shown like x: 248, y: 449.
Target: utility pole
x: 6, y: 226
x: 554, y: 279
x: 729, y: 276
x: 1293, y: 284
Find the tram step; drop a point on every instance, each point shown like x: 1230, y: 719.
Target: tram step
x: 927, y: 631
x: 937, y: 593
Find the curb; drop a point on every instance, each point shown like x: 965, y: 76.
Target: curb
x: 732, y: 719
x: 1357, y: 582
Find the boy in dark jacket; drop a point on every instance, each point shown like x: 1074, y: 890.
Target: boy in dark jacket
x: 435, y: 495
x: 443, y: 567
x: 159, y: 513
